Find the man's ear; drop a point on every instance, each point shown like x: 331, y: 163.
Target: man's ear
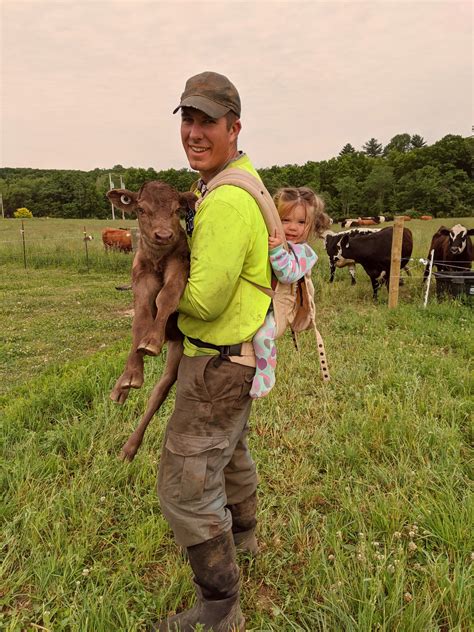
x: 187, y: 202
x: 123, y: 199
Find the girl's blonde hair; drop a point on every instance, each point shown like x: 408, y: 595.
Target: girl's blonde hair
x: 317, y: 221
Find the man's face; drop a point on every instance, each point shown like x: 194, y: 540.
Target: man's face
x: 208, y: 143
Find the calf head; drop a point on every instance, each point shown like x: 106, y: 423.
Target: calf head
x: 458, y: 238
x: 158, y: 207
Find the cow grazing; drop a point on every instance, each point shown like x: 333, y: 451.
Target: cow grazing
x: 117, y: 239
x: 332, y: 245
x: 159, y: 274
x: 372, y: 249
x: 452, y: 249
x: 372, y: 220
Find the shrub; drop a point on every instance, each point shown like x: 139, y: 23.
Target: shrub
x: 22, y: 212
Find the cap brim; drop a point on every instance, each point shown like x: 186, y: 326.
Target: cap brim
x: 205, y: 105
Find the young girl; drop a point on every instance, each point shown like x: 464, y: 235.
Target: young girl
x: 302, y: 215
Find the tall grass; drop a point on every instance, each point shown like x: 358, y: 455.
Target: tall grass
x: 365, y: 502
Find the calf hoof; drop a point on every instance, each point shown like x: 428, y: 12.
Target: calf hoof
x: 150, y: 347
x: 123, y: 385
x: 119, y: 395
x: 128, y: 452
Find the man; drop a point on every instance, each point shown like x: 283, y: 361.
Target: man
x: 207, y: 480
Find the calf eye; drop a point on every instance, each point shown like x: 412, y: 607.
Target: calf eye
x: 140, y: 210
x: 125, y: 199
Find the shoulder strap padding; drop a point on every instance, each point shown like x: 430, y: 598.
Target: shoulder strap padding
x: 256, y: 188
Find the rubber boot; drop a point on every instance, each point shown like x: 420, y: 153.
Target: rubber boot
x: 216, y: 579
x: 243, y: 525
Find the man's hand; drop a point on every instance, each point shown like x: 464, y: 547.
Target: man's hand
x: 275, y: 240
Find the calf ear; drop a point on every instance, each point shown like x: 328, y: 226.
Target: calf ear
x: 187, y: 202
x: 123, y: 199
x: 470, y: 231
x: 443, y: 231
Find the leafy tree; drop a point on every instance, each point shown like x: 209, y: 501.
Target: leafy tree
x: 400, y: 142
x: 417, y: 141
x: 378, y: 187
x: 372, y: 148
x: 347, y: 149
x: 23, y: 213
x: 349, y: 193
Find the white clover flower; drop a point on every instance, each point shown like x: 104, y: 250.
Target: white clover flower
x: 397, y: 535
x: 412, y: 546
x: 86, y: 572
x: 408, y: 597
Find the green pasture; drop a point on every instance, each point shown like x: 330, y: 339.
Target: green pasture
x: 366, y: 514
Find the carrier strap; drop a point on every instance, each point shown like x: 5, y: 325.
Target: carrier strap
x: 253, y: 186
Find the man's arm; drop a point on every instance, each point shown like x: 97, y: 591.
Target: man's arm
x: 220, y: 242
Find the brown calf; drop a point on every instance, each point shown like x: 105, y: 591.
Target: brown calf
x: 159, y: 274
x: 117, y: 239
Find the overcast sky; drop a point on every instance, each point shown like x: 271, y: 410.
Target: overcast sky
x: 90, y: 84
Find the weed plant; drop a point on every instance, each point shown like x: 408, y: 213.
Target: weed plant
x: 365, y: 502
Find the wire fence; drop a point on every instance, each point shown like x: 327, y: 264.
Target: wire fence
x: 83, y: 250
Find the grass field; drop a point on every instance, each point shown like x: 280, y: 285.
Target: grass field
x: 366, y: 511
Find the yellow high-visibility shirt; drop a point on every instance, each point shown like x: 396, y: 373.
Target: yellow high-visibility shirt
x: 229, y: 249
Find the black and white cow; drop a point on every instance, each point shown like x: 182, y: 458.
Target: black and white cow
x: 372, y: 249
x: 332, y: 244
x: 452, y: 249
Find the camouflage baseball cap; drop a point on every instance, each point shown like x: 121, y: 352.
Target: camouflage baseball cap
x: 211, y: 93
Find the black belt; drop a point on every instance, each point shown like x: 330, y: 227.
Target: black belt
x: 224, y: 350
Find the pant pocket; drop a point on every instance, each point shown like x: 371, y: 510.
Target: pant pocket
x: 193, y: 464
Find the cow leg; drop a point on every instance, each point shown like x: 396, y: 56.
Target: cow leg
x: 332, y: 271
x: 157, y: 397
x: 375, y: 287
x: 166, y: 304
x: 145, y: 289
x: 352, y: 272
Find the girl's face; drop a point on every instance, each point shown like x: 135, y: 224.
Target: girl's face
x: 294, y: 224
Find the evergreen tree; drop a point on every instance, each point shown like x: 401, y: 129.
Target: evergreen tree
x: 372, y: 148
x: 417, y: 141
x: 347, y: 149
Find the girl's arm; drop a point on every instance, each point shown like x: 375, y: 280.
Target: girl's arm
x: 291, y: 266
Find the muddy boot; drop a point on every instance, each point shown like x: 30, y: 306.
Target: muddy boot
x: 216, y: 577
x: 243, y: 525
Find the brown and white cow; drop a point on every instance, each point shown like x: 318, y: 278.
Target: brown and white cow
x: 452, y: 249
x: 159, y: 273
x: 117, y: 239
x: 372, y: 249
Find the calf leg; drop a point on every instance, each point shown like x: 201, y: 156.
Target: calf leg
x: 167, y: 301
x: 332, y: 270
x: 157, y: 397
x: 145, y: 290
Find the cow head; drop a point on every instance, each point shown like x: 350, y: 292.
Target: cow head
x: 158, y: 207
x: 458, y: 236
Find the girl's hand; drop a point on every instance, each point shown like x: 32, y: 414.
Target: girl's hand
x: 274, y: 240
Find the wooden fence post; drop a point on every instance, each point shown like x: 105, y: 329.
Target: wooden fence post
x: 395, y: 262
x: 86, y: 239
x: 22, y: 231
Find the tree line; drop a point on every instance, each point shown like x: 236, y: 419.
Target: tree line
x: 407, y: 176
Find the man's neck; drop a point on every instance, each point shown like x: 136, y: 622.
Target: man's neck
x: 207, y: 177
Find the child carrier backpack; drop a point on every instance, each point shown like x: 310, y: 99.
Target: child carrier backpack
x: 293, y: 304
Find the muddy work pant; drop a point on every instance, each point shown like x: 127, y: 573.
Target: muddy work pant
x: 205, y: 462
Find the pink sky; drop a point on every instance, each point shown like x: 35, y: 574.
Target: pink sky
x: 92, y: 84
